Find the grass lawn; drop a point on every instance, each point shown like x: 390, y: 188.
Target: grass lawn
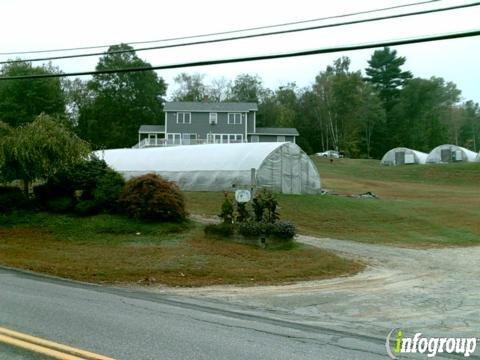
x: 419, y: 206
x: 111, y: 249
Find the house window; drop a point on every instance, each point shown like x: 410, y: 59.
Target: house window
x: 184, y: 118
x: 174, y: 139
x: 280, y: 138
x: 235, y: 138
x: 235, y: 118
x: 213, y: 119
x: 225, y: 138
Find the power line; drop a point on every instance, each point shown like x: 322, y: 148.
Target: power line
x: 242, y: 37
x: 431, y: 38
x: 226, y: 32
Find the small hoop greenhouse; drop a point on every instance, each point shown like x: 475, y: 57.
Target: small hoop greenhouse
x: 450, y: 153
x: 401, y: 156
x: 281, y: 167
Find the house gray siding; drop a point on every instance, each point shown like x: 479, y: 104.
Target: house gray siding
x: 200, y: 125
x: 250, y: 124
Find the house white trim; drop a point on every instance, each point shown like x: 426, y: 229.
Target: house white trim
x: 273, y: 134
x: 208, y: 111
x: 246, y: 125
x: 166, y: 122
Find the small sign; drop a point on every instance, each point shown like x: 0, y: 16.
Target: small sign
x: 243, y: 196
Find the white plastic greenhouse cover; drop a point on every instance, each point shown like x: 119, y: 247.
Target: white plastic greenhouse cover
x: 281, y: 167
x: 435, y: 155
x: 477, y: 159
x: 390, y: 158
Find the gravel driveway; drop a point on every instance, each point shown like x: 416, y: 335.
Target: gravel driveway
x: 434, y: 291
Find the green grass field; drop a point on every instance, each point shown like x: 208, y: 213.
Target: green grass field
x: 419, y: 206
x: 115, y: 249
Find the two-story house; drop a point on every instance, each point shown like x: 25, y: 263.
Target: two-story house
x: 207, y: 122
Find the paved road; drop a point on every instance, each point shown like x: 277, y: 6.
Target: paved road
x: 131, y: 324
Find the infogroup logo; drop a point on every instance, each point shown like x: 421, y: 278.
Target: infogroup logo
x: 429, y: 346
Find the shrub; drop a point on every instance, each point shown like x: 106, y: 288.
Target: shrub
x: 91, y: 180
x: 108, y: 190
x: 243, y: 212
x: 12, y: 198
x: 46, y: 192
x: 284, y: 230
x: 227, y: 210
x: 60, y: 204
x: 252, y: 229
x: 265, y: 207
x: 222, y: 230
x: 86, y: 208
x: 152, y: 198
x: 83, y: 176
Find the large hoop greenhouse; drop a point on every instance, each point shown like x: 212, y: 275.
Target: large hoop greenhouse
x: 450, y: 153
x: 281, y: 167
x: 401, y: 156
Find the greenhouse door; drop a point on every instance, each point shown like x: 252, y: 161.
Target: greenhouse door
x: 400, y: 158
x: 446, y: 155
x: 291, y: 171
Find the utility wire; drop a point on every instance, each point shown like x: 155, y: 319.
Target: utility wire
x: 430, y: 38
x: 242, y: 37
x: 226, y: 32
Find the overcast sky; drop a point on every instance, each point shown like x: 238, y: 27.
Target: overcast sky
x: 49, y: 24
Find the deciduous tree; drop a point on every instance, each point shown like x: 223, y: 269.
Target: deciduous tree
x: 121, y: 102
x: 21, y: 101
x: 38, y: 150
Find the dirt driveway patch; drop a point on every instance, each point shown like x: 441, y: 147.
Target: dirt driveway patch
x: 433, y: 291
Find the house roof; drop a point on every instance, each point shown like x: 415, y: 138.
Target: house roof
x: 275, y: 131
x: 210, y: 106
x: 151, y: 129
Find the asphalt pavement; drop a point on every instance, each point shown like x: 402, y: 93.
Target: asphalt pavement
x: 133, y: 324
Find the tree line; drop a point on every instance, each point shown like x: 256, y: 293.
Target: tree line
x: 362, y: 115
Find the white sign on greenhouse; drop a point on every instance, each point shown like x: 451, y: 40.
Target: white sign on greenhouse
x: 281, y: 167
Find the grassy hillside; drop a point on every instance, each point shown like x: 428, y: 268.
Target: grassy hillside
x: 431, y: 205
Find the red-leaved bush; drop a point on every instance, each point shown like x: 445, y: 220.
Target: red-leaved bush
x: 152, y: 198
